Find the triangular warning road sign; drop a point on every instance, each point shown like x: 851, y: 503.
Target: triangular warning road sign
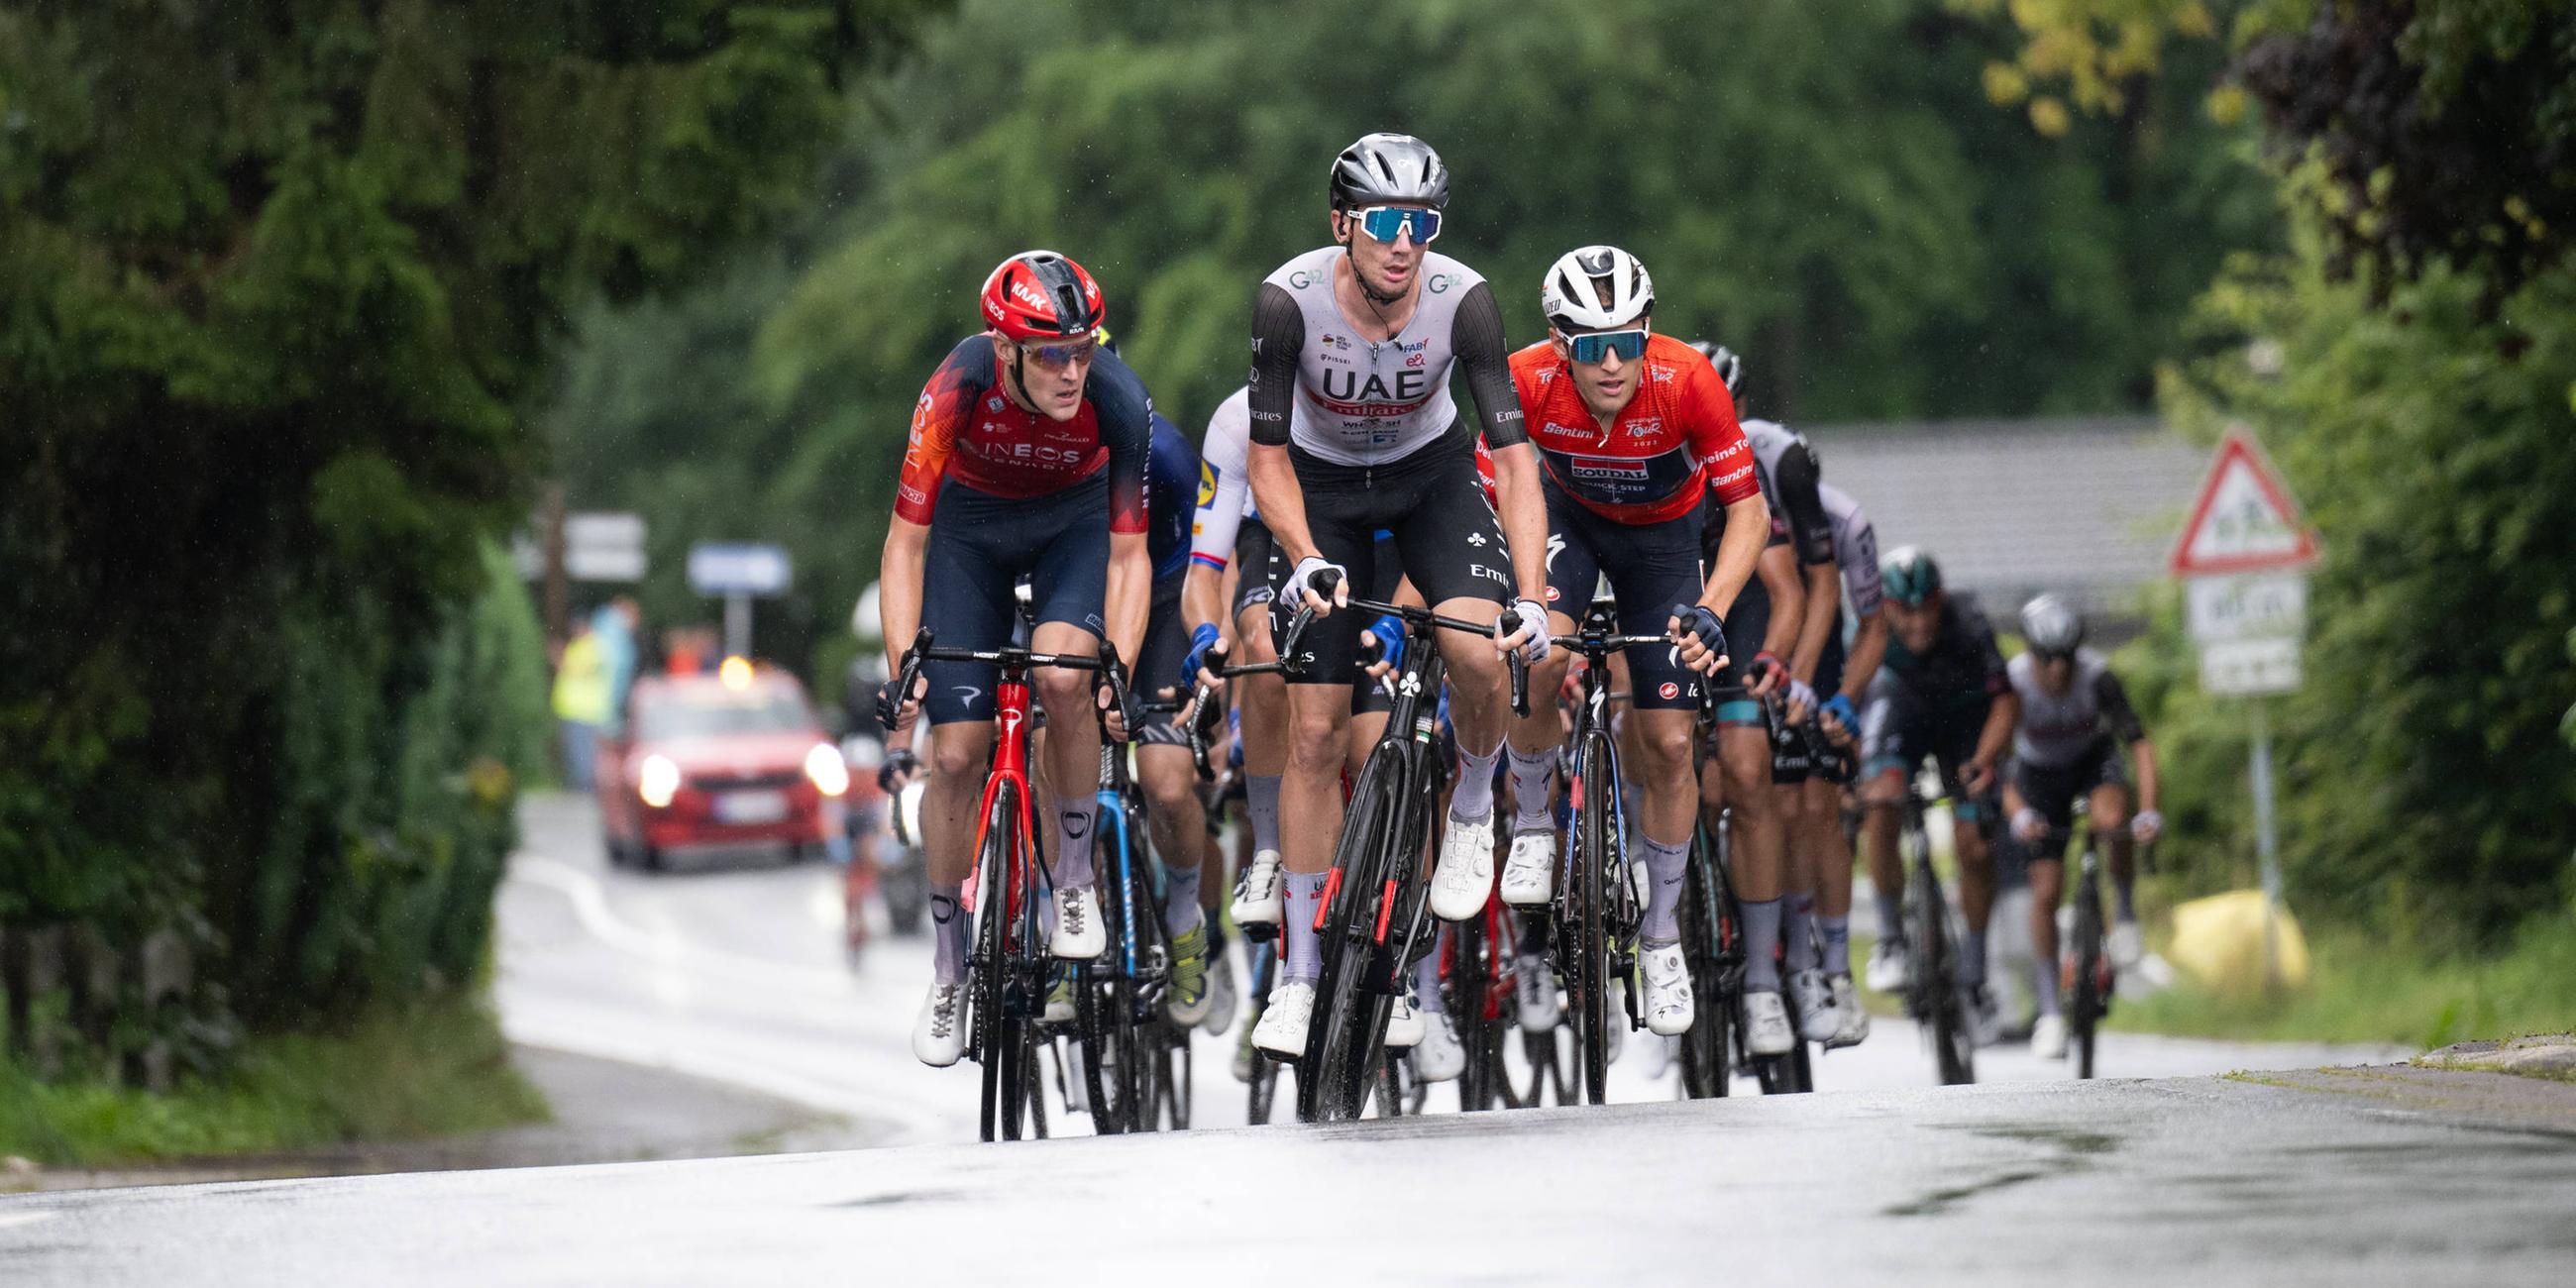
x: 2245, y: 520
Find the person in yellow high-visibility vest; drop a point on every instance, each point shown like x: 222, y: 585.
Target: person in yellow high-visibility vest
x: 581, y: 702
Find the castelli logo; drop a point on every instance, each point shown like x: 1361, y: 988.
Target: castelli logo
x: 1670, y: 691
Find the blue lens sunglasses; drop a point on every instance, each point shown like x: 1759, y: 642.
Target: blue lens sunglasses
x: 1386, y: 223
x: 1592, y: 346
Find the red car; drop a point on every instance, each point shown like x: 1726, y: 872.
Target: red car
x: 728, y: 761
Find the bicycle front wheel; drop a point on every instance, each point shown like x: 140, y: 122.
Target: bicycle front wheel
x: 1940, y: 1004
x: 2084, y: 1010
x: 1704, y: 1047
x: 1341, y: 1053
x: 1594, y: 864
x: 996, y: 1040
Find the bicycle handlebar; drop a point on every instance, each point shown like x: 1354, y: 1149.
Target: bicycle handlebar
x: 923, y: 650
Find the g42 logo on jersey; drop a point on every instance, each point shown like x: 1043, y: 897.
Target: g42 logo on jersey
x: 1440, y: 283
x: 1301, y: 279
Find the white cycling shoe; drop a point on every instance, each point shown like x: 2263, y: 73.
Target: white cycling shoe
x: 2048, y: 1037
x: 1466, y: 872
x: 1403, y: 1023
x: 1669, y: 1006
x: 2124, y: 945
x: 1536, y: 993
x: 939, y: 1032
x: 1078, y: 936
x: 1766, y: 1025
x: 1221, y: 997
x: 1855, y: 1017
x: 1438, y: 1057
x: 1257, y: 897
x: 1282, y: 1030
x: 1889, y: 969
x: 1814, y: 999
x: 1529, y: 875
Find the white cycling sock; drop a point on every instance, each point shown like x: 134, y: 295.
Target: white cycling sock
x: 1261, y: 799
x: 1761, y: 945
x: 1304, y: 963
x: 1666, y: 863
x: 1474, y: 798
x: 1426, y: 980
x: 1798, y: 930
x: 2043, y: 986
x: 948, y: 924
x: 1836, y: 933
x: 1533, y: 790
x: 1181, y: 911
x: 1073, y: 819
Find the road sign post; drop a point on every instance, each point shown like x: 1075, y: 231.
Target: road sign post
x: 738, y: 570
x: 2243, y: 556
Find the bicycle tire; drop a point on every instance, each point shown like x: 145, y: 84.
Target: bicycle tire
x: 1953, y: 1050
x: 1704, y: 1073
x: 1594, y: 867
x: 1333, y: 1073
x: 991, y: 964
x: 2085, y: 1008
x: 1037, y: 1097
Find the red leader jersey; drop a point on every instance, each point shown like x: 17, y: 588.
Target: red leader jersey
x: 1676, y: 440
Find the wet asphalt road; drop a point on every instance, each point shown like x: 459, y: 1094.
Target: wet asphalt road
x: 2352, y: 1177
x: 2180, y: 1182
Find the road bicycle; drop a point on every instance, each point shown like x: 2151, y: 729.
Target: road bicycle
x: 1008, y: 966
x: 1135, y: 1061
x: 2087, y: 979
x: 1595, y: 906
x: 1376, y: 903
x: 1933, y: 997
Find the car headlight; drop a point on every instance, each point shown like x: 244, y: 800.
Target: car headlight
x: 658, y: 781
x: 823, y: 765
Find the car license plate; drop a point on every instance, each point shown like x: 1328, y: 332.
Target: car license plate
x: 751, y: 807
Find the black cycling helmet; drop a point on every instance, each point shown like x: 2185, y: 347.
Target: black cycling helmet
x: 1389, y: 170
x: 1730, y: 368
x: 2051, y: 627
x: 1909, y: 576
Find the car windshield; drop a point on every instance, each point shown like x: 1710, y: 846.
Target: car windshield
x: 699, y: 713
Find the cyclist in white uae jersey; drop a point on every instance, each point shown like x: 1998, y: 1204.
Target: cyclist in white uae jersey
x: 1354, y: 431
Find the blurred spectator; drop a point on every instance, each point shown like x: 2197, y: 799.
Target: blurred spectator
x: 680, y: 651
x: 582, y: 704
x: 614, y: 624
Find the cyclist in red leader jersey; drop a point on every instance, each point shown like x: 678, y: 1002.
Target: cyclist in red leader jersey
x: 1028, y: 457
x: 1633, y: 430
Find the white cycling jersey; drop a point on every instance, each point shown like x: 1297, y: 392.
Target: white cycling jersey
x: 1225, y: 490
x: 1855, y: 548
x: 1364, y: 402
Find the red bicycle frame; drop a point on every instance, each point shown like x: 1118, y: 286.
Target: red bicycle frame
x: 1010, y: 765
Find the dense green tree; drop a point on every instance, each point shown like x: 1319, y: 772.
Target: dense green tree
x: 1824, y: 187
x: 277, y: 282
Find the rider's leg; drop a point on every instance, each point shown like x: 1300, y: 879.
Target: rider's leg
x: 1755, y: 849
x: 959, y: 754
x: 1178, y: 822
x: 2047, y: 883
x: 1664, y: 774
x: 1828, y: 851
x: 1072, y: 751
x: 1976, y: 886
x: 1535, y: 739
x: 1311, y: 792
x: 2109, y: 812
x: 1479, y: 706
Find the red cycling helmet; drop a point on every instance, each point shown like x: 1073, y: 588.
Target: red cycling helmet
x: 1041, y: 295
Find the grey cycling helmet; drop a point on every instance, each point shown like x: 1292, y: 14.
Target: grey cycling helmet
x: 2051, y: 627
x: 1730, y: 368
x: 1389, y: 170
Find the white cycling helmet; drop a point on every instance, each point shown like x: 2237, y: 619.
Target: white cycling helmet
x: 1595, y: 288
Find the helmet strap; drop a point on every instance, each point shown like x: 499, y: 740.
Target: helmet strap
x: 1019, y: 390
x: 1377, y: 303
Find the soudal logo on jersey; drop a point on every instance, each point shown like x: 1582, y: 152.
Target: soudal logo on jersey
x: 1606, y: 469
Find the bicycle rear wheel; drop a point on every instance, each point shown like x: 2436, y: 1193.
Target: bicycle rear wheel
x: 1704, y: 1047
x: 1264, y: 1083
x: 2084, y: 1010
x: 1595, y: 863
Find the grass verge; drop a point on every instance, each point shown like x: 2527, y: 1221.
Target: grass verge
x: 2365, y: 989
x: 435, y: 1069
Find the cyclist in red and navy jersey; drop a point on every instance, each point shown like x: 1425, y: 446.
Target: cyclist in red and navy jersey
x: 1634, y: 431
x: 1027, y: 457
